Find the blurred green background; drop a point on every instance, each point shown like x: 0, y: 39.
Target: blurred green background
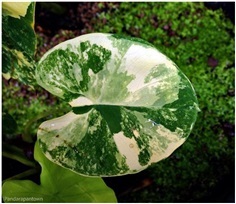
x: 201, y: 41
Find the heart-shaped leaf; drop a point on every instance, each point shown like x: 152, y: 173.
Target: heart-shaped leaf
x: 57, y: 185
x: 18, y: 41
x: 131, y: 105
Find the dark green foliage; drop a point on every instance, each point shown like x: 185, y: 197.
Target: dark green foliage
x: 81, y: 109
x: 97, y: 55
x: 201, y: 42
x: 112, y: 115
x: 144, y: 157
x: 8, y: 123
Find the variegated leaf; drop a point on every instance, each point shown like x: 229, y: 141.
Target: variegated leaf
x: 131, y: 105
x: 18, y: 41
x: 15, y: 9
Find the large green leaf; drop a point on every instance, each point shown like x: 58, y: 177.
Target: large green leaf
x: 131, y: 105
x: 57, y: 185
x: 18, y: 41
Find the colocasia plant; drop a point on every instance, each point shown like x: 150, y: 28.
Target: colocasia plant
x: 131, y: 106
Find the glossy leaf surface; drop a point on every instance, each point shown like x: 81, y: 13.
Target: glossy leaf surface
x: 57, y: 185
x: 18, y: 41
x: 131, y: 105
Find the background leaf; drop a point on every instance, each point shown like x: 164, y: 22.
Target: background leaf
x: 15, y: 9
x: 57, y: 185
x: 9, y: 125
x: 19, y: 44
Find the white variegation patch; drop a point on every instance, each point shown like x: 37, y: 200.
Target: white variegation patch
x: 140, y: 60
x: 81, y: 101
x: 15, y: 9
x: 129, y: 149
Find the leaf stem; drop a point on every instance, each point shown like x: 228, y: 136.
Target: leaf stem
x: 22, y: 175
x: 17, y: 154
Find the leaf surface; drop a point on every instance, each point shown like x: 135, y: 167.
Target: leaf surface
x: 131, y: 105
x: 57, y: 185
x: 18, y: 41
x: 15, y: 9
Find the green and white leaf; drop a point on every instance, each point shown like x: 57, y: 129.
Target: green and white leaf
x: 57, y: 185
x: 131, y: 105
x: 18, y: 41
